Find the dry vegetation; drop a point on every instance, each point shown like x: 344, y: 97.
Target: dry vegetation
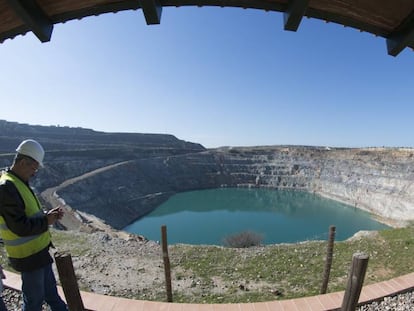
x: 123, y: 265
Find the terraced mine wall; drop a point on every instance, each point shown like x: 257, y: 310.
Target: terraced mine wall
x: 120, y: 177
x: 376, y: 180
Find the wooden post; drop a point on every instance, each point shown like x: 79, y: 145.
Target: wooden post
x: 167, y: 268
x: 328, y: 260
x: 68, y: 280
x: 355, y: 281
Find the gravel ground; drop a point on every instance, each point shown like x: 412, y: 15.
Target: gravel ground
x: 13, y: 300
x: 402, y: 302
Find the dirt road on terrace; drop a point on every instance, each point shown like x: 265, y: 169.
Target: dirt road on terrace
x: 74, y: 219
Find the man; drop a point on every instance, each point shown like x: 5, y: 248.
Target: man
x: 24, y: 228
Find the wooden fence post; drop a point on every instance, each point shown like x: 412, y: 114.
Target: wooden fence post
x: 68, y: 280
x: 355, y: 281
x: 328, y: 261
x: 167, y: 268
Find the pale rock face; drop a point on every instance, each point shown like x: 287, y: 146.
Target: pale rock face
x: 377, y: 180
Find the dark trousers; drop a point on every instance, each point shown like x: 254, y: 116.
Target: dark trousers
x: 40, y: 286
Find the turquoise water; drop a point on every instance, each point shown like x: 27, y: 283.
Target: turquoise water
x: 280, y: 216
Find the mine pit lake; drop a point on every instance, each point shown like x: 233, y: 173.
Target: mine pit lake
x: 279, y: 216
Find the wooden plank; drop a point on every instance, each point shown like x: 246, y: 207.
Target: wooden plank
x: 152, y: 11
x: 34, y: 18
x: 294, y: 14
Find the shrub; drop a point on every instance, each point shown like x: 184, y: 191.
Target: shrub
x: 243, y: 239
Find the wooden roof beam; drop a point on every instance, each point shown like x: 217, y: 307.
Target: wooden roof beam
x: 295, y: 11
x: 33, y: 17
x: 402, y: 37
x: 152, y: 11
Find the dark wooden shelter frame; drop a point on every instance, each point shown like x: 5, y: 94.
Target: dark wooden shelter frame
x: 390, y: 19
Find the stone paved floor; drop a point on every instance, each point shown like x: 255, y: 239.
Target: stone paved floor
x: 329, y: 301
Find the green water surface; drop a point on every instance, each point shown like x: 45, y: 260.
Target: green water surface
x: 280, y: 216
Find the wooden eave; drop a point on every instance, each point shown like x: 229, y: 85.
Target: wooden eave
x: 392, y: 20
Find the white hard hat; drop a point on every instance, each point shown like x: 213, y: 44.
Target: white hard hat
x: 33, y: 149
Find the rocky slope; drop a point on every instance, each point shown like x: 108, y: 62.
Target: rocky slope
x: 121, y: 177
x: 377, y: 180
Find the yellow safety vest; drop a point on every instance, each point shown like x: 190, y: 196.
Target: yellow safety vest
x: 17, y: 246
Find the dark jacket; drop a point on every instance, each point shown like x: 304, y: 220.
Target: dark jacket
x: 12, y: 209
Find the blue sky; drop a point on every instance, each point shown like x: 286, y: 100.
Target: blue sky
x: 216, y: 76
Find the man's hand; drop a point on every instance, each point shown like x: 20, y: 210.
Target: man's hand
x: 54, y: 215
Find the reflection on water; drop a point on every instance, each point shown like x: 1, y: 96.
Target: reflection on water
x: 281, y: 216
